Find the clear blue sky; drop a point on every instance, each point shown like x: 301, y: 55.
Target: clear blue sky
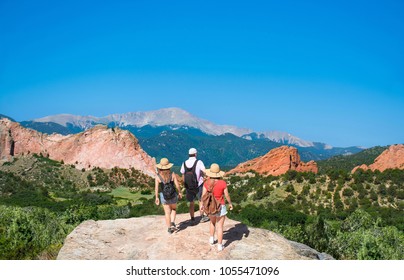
x: 329, y: 72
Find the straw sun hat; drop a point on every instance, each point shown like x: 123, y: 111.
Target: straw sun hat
x: 164, y: 164
x: 214, y: 171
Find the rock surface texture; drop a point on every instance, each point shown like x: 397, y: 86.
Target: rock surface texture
x: 392, y: 158
x: 146, y: 238
x: 100, y: 146
x: 277, y: 162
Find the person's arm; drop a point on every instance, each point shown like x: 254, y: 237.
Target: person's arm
x: 156, y: 191
x: 200, y: 172
x: 203, y: 193
x: 227, y: 195
x: 177, y: 185
x: 202, y: 168
x: 182, y: 171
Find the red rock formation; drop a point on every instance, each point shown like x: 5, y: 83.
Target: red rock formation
x: 278, y: 161
x: 392, y: 158
x: 99, y: 146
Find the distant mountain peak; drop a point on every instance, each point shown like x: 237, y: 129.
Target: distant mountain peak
x: 84, y: 122
x: 176, y: 117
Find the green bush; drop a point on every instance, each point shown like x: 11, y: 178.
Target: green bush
x: 28, y: 232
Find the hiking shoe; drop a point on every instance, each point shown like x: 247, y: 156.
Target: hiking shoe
x: 211, y: 240
x: 220, y: 247
x: 174, y: 228
x: 204, y: 219
x: 170, y: 230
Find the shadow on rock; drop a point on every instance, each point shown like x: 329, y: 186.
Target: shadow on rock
x: 236, y: 233
x: 188, y: 223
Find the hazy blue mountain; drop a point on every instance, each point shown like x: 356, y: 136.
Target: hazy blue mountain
x: 47, y: 127
x: 171, y: 132
x: 349, y: 162
x: 320, y: 152
x: 174, y: 117
x: 174, y: 141
x: 227, y: 150
x: 4, y: 116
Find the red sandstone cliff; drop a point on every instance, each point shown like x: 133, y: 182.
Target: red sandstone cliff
x: 392, y: 158
x: 99, y: 146
x: 278, y: 161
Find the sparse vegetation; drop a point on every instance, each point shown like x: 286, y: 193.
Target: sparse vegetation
x: 350, y: 216
x: 335, y: 214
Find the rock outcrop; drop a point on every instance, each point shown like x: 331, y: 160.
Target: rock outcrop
x: 392, y: 158
x: 100, y: 146
x: 146, y: 238
x: 277, y: 162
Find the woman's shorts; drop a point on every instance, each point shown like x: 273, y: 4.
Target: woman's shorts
x: 194, y: 194
x: 222, y: 212
x: 173, y: 200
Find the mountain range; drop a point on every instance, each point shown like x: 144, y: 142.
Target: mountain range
x: 174, y: 117
x: 170, y: 132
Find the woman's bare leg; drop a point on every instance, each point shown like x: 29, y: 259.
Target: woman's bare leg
x: 219, y: 228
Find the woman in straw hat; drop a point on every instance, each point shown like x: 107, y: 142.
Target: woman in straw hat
x: 219, y: 191
x: 164, y: 174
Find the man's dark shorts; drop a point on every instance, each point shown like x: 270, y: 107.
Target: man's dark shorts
x: 194, y: 194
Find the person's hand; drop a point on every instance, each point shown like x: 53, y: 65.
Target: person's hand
x: 157, y: 201
x: 231, y: 206
x: 180, y: 195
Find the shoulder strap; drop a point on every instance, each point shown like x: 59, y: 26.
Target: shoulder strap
x: 162, y: 180
x: 211, y: 187
x: 192, y: 168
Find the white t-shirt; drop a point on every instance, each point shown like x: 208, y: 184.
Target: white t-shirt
x: 199, y: 167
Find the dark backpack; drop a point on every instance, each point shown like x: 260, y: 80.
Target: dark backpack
x: 190, y: 179
x: 210, y: 204
x: 168, y: 188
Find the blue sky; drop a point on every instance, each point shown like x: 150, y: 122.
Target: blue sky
x: 328, y: 72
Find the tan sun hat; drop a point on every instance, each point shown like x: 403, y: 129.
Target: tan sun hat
x: 164, y: 164
x: 214, y: 171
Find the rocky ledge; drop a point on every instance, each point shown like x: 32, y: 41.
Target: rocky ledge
x: 146, y: 238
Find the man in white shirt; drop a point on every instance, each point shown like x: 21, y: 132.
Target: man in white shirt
x: 192, y: 171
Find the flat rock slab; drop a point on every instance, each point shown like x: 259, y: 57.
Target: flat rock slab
x: 146, y: 238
